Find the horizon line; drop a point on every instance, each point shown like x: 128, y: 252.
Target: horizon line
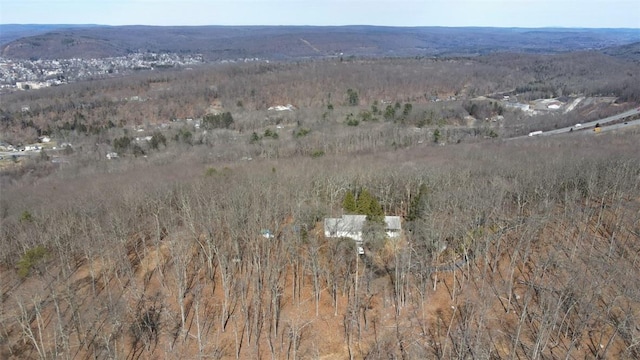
x: 348, y: 25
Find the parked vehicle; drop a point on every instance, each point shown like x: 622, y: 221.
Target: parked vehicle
x: 534, y: 133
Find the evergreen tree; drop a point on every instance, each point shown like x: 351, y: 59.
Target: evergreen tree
x: 368, y: 205
x: 389, y: 113
x: 407, y: 109
x: 363, y: 202
x: 375, y: 213
x: 436, y: 136
x: 352, y: 97
x: 418, y: 204
x: 349, y: 203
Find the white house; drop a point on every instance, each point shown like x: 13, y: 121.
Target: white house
x: 287, y: 107
x: 351, y: 226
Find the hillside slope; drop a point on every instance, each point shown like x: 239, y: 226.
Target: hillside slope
x: 296, y: 42
x: 545, y: 235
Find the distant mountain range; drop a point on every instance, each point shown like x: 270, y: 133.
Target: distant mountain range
x: 11, y: 32
x: 299, y: 42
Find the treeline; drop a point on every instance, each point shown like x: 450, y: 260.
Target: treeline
x: 508, y: 250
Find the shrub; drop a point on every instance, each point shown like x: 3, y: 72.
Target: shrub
x: 351, y: 121
x: 317, y: 153
x: 137, y: 150
x: 301, y: 132
x: 210, y: 171
x: 185, y: 136
x: 26, y: 216
x: 374, y: 107
x: 365, y: 115
x: 120, y: 145
x: 270, y: 133
x: 157, y: 139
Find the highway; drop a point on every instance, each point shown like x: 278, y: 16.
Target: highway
x: 591, y: 124
x: 620, y: 125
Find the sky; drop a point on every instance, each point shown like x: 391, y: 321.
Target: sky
x: 495, y: 13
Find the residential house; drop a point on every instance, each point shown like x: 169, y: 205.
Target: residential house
x: 351, y: 226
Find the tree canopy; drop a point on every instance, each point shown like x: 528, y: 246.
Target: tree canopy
x: 364, y: 204
x: 217, y: 121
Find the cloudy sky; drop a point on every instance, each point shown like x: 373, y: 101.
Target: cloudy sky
x: 499, y: 13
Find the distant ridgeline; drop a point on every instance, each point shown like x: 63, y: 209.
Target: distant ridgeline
x: 296, y: 42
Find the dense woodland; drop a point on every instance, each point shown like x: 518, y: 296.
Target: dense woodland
x: 510, y: 248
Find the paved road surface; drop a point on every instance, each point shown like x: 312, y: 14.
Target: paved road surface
x: 591, y: 124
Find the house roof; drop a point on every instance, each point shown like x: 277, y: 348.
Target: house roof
x: 392, y: 222
x: 355, y: 223
x: 349, y: 223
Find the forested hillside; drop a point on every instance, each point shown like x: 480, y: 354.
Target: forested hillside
x: 296, y: 42
x: 526, y: 249
x: 439, y: 93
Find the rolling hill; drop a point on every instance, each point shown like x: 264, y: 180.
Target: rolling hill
x: 295, y: 42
